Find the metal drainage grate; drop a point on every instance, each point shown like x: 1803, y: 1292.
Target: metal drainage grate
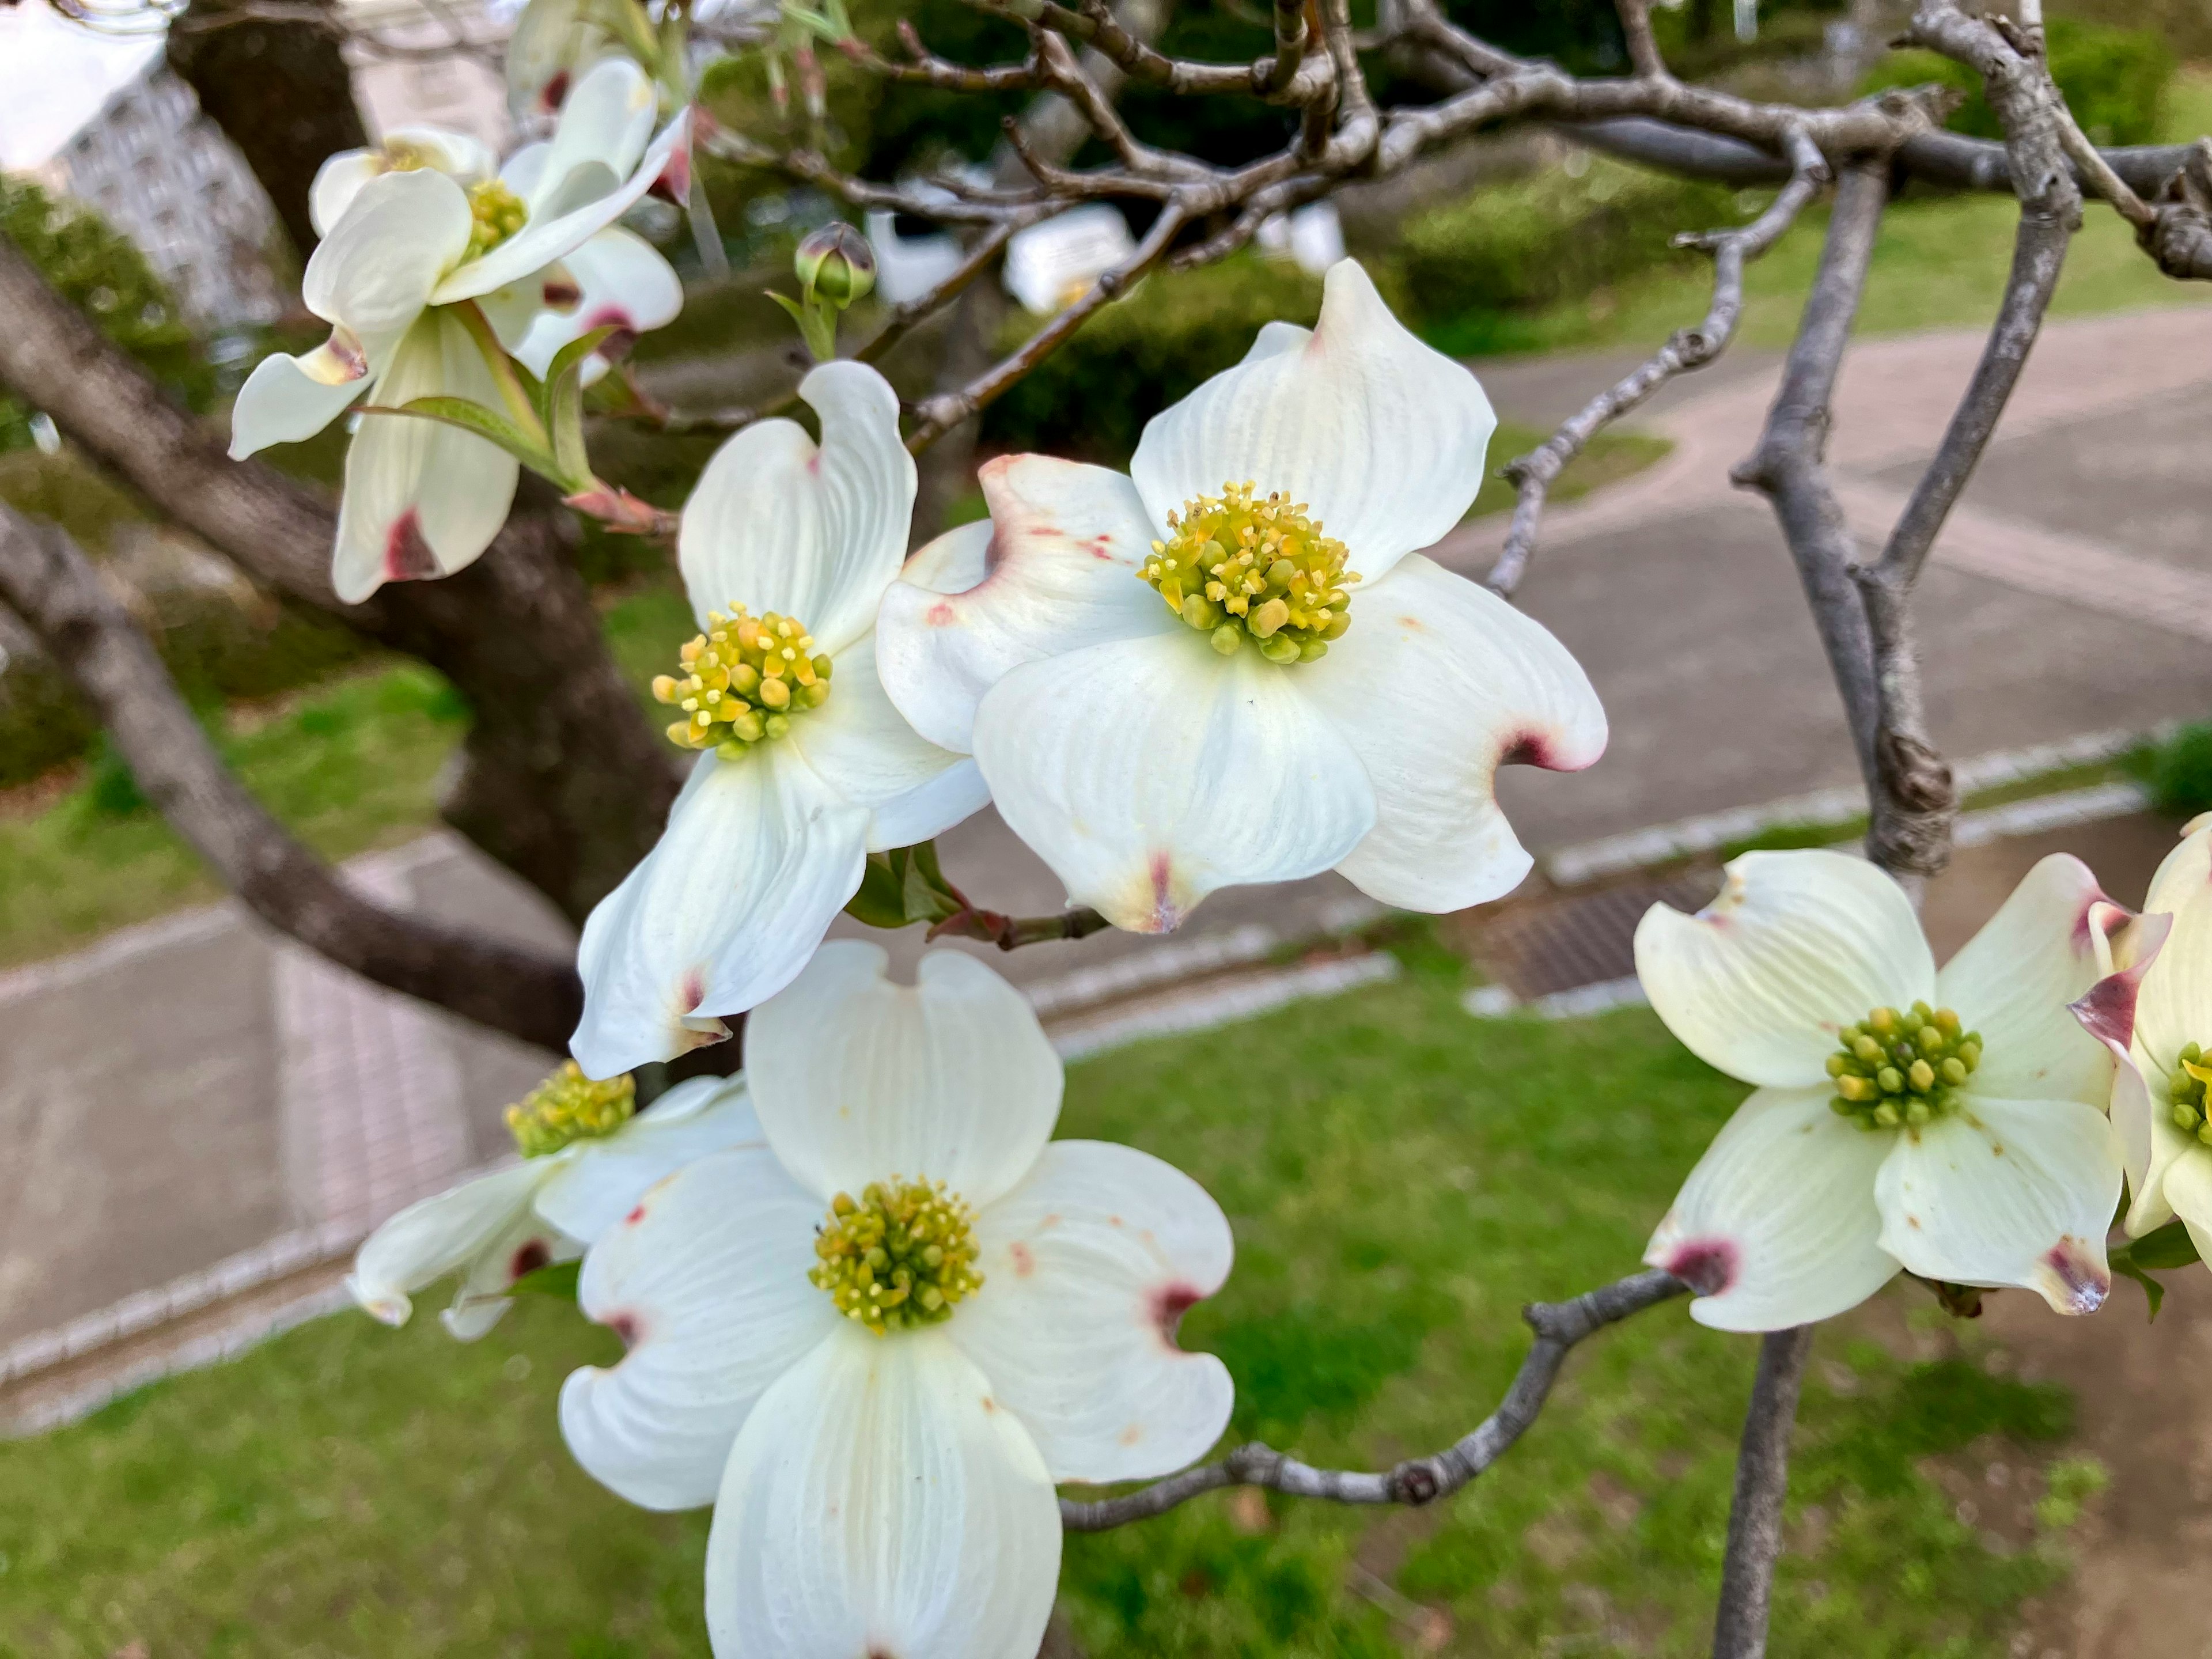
x: 1560, y: 945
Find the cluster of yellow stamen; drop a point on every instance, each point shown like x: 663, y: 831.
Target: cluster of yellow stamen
x: 495, y: 213
x: 568, y: 1106
x: 1237, y: 567
x: 900, y: 1257
x: 2184, y: 1094
x: 743, y: 680
x: 1901, y: 1070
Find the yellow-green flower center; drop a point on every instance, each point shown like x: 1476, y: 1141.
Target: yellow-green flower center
x: 743, y: 680
x: 1237, y: 568
x: 2184, y: 1094
x: 1902, y: 1070
x: 496, y: 214
x: 899, y: 1256
x: 568, y: 1106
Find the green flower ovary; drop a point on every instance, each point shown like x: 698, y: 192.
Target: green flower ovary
x: 568, y: 1106
x: 899, y: 1257
x: 495, y: 213
x: 743, y: 680
x: 1902, y: 1070
x: 2184, y: 1094
x: 1237, y: 568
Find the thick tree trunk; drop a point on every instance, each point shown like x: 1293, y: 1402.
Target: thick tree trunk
x: 282, y: 93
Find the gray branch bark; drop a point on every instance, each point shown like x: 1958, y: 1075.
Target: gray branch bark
x: 49, y: 582
x: 1558, y: 1327
x: 1762, y: 1480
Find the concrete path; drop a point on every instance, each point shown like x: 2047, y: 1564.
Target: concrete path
x: 192, y: 1090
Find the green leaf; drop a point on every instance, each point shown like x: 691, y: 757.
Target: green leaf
x: 564, y: 406
x: 2153, y: 1293
x: 798, y: 315
x: 2171, y: 1246
x: 557, y: 1279
x: 486, y: 423
x: 881, y: 902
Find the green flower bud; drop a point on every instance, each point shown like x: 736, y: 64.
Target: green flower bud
x: 836, y: 262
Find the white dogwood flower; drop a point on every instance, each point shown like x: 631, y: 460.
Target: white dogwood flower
x: 804, y: 767
x: 2158, y: 1101
x: 429, y: 267
x: 588, y: 1158
x: 876, y: 1344
x: 1231, y: 666
x: 555, y: 42
x: 1949, y: 1123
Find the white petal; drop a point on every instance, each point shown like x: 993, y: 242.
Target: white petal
x: 2013, y: 981
x: 439, y: 1235
x: 2188, y: 1185
x: 606, y: 120
x: 2183, y: 873
x: 880, y: 1501
x: 857, y: 1079
x: 1087, y: 1265
x: 378, y: 267
x: 550, y: 39
x: 529, y: 1243
x: 1438, y: 682
x: 603, y: 1179
x: 1064, y: 545
x: 622, y: 283
x: 1148, y: 772
x: 543, y: 240
x: 954, y: 562
x: 2006, y: 1192
x: 758, y: 859
x: 1777, y: 1225
x: 2152, y: 1146
x: 1382, y: 437
x: 1797, y: 946
x: 2173, y: 1007
x: 862, y: 748
x: 706, y: 1282
x: 337, y: 181
x: 422, y: 499
x: 288, y: 398
x: 777, y: 525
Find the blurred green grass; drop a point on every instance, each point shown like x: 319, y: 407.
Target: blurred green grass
x: 1401, y: 1180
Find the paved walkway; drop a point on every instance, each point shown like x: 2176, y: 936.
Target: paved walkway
x: 190, y: 1090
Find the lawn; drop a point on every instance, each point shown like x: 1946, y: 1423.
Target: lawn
x: 1398, y: 1189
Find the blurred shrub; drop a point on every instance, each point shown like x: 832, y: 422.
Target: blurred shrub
x: 2179, y: 771
x: 102, y: 271
x: 1092, y: 397
x: 1552, y: 237
x: 2114, y: 79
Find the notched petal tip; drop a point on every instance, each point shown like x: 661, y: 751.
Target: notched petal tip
x: 2073, y: 1277
x: 2108, y: 1010
x: 386, y: 1307
x: 1169, y: 1302
x: 1710, y: 1266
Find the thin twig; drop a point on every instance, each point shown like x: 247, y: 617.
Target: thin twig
x: 1642, y: 49
x: 1762, y: 1482
x: 1688, y: 350
x: 1011, y: 933
x: 1558, y: 1327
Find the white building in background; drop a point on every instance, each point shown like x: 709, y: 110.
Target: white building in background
x: 100, y: 118
x: 450, y: 76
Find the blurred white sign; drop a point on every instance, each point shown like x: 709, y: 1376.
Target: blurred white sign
x: 1052, y: 265
x: 1313, y: 236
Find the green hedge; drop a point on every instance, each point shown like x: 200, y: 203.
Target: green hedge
x: 1091, y: 397
x: 2114, y: 79
x: 102, y: 272
x: 1552, y: 237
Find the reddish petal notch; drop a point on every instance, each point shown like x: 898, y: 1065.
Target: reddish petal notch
x: 1708, y: 1266
x: 407, y: 556
x: 1170, y: 1304
x: 2107, y: 1009
x: 2081, y: 1281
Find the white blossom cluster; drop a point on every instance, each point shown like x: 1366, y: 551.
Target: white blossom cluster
x: 873, y: 1313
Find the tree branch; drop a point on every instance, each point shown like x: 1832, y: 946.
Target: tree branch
x: 1762, y: 1482
x: 1558, y: 1327
x: 86, y: 630
x: 1689, y: 349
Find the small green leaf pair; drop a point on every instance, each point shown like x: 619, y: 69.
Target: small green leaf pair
x: 903, y: 886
